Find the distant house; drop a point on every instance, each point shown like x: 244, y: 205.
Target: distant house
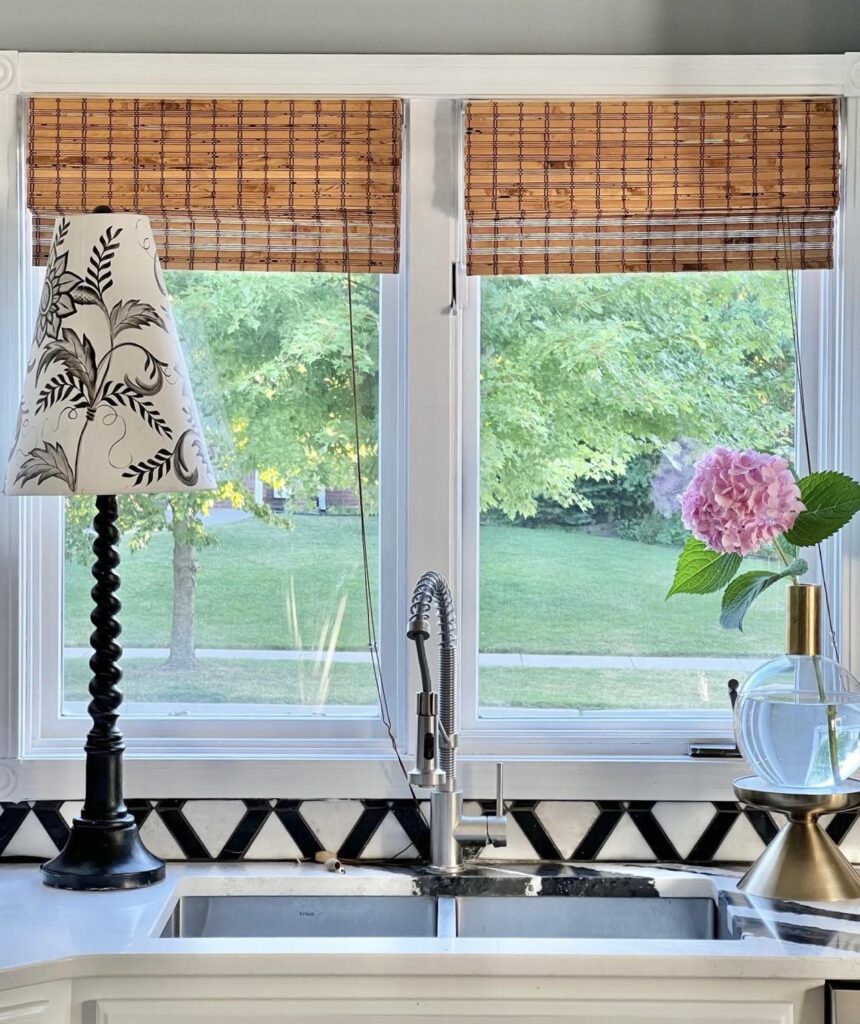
x: 327, y: 498
x: 344, y: 497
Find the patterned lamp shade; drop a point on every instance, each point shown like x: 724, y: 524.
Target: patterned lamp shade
x: 107, y: 405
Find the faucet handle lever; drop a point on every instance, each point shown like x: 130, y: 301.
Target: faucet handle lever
x: 497, y: 824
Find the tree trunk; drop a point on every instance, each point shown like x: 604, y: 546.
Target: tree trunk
x: 184, y: 598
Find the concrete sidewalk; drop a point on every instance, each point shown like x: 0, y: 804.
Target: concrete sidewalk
x: 557, y: 661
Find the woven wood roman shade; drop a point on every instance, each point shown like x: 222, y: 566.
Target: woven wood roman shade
x: 231, y: 184
x: 666, y: 185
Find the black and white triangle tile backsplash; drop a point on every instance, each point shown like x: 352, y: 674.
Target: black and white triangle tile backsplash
x: 577, y: 830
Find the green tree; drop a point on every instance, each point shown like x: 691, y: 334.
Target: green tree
x: 269, y: 358
x: 582, y: 375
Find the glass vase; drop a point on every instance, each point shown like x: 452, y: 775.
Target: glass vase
x: 797, y: 717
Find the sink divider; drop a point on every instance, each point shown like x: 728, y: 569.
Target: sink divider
x: 446, y: 917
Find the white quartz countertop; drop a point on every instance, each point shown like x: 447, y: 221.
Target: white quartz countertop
x: 49, y: 934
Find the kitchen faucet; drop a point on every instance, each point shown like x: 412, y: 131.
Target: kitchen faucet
x: 438, y: 725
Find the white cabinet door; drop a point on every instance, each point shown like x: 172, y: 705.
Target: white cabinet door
x: 325, y: 1011
x: 36, y: 1004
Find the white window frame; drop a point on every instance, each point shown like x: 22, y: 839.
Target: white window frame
x: 53, y: 726
x: 434, y: 470
x: 604, y: 733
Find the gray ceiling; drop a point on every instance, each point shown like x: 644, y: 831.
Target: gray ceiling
x: 432, y: 26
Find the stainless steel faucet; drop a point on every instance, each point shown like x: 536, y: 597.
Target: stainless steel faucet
x: 438, y: 726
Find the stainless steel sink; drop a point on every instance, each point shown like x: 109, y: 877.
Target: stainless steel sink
x: 590, y: 917
x: 449, y: 917
x: 302, y: 917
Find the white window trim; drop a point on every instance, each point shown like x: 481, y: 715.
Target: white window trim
x: 431, y: 460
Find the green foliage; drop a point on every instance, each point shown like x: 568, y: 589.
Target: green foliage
x: 743, y: 590
x: 269, y: 359
x: 582, y: 376
x: 583, y: 379
x: 274, y: 351
x: 141, y: 516
x: 618, y: 501
x: 702, y: 571
x: 831, y: 500
x: 653, y: 528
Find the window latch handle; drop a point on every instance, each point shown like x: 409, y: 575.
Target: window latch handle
x: 458, y: 288
x: 716, y: 749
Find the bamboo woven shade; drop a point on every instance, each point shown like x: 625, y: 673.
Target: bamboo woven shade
x: 667, y: 185
x: 230, y: 184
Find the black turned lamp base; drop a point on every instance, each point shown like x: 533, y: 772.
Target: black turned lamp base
x: 103, y: 855
x: 104, y: 849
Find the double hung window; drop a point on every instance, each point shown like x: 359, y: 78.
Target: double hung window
x: 638, y: 261
x: 276, y: 222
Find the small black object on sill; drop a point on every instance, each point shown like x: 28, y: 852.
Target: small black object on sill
x: 718, y: 750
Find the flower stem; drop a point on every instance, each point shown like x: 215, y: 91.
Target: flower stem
x: 832, y: 744
x: 786, y: 561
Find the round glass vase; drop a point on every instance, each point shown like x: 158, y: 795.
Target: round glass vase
x: 797, y: 717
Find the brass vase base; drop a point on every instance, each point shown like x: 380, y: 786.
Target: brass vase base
x: 802, y: 863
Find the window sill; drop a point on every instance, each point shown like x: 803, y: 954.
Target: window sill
x: 377, y: 776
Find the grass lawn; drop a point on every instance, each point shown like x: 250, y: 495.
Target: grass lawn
x: 551, y: 591
x: 220, y: 681
x: 560, y: 591
x: 542, y: 591
x: 266, y: 682
x: 593, y: 689
x: 259, y: 586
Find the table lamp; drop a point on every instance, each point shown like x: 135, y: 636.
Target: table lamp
x: 107, y: 409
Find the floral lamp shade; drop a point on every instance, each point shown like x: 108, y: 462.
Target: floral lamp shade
x: 107, y: 406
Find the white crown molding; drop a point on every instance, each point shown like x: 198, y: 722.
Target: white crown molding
x: 432, y: 75
x: 8, y: 71
x: 852, y: 74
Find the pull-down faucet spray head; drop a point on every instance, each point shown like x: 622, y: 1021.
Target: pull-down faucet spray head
x: 425, y: 774
x: 431, y: 588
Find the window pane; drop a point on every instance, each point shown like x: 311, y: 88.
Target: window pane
x: 598, y: 393
x: 253, y: 594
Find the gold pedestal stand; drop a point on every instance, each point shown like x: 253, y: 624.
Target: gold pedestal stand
x: 802, y: 863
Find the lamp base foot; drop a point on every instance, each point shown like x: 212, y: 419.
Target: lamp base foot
x: 102, y: 855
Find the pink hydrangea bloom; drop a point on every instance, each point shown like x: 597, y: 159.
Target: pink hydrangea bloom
x: 738, y: 501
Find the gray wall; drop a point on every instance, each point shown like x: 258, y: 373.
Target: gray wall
x: 432, y: 26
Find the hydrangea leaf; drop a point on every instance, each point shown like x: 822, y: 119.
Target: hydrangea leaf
x: 743, y: 590
x: 701, y: 570
x: 831, y: 499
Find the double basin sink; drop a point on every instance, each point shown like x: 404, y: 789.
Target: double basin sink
x: 422, y: 916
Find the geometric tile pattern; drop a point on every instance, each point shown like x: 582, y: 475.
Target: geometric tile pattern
x: 701, y: 832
